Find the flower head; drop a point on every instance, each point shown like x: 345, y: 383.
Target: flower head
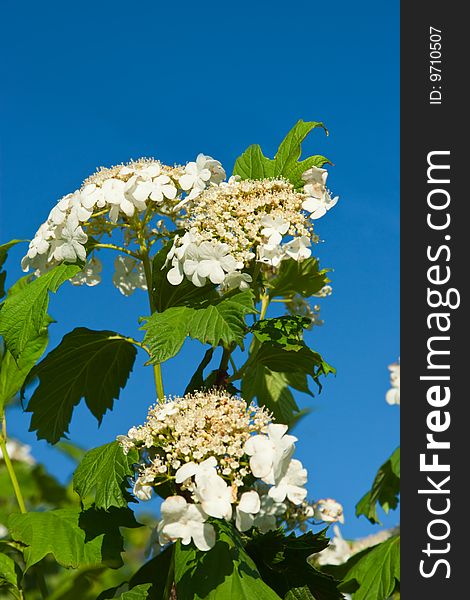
x: 328, y: 510
x: 236, y: 222
x: 222, y: 458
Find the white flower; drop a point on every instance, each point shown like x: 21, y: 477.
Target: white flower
x: 290, y: 484
x: 3, y: 531
x: 176, y: 274
x: 18, y: 451
x: 114, y: 191
x: 328, y: 510
x: 59, y: 213
x: 91, y: 195
x: 315, y: 175
x: 197, y: 174
x: 236, y: 279
x: 266, y: 519
x: 209, y: 260
x: 89, y: 275
x: 247, y: 508
x: 214, y: 494
x: 319, y: 201
x: 184, y: 521
x: 191, y: 468
x: 393, y: 394
x: 128, y: 275
x: 162, y: 187
x: 70, y: 241
x: 268, y: 452
x: 211, y: 490
x: 167, y: 409
x: 270, y: 255
x: 40, y: 244
x: 141, y: 490
x: 274, y: 228
x: 298, y: 248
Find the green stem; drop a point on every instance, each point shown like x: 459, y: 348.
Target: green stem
x: 131, y: 341
x: 19, y: 496
x: 118, y: 249
x: 10, y: 469
x: 265, y: 300
x: 157, y: 370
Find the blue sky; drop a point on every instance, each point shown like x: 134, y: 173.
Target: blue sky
x: 92, y: 84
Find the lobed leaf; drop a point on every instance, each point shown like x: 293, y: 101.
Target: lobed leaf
x: 103, y: 474
x: 304, y: 278
x: 75, y: 539
x: 221, y: 323
x: 14, y: 373
x: 93, y: 365
x: 284, y: 332
x: 252, y: 164
x: 23, y: 315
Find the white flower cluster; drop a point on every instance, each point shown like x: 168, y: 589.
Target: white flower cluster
x: 236, y: 222
x: 112, y: 197
x: 393, y: 394
x: 224, y: 459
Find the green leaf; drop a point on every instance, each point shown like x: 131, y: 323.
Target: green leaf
x: 140, y: 592
x: 301, y: 362
x: 304, y: 278
x: 13, y: 373
x: 376, y: 574
x: 283, y: 564
x: 221, y: 323
x: 23, y: 316
x: 103, y: 474
x: 271, y: 389
x: 93, y: 365
x: 291, y: 148
x: 252, y: 164
x: 3, y: 256
x: 74, y: 539
x: 385, y: 490
x: 284, y: 332
x: 8, y: 575
x: 166, y: 295
x: 281, y: 362
x: 225, y: 572
x: 159, y: 573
